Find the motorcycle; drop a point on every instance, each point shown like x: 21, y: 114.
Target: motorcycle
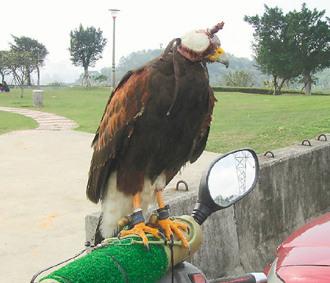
x: 304, y: 255
x: 228, y: 179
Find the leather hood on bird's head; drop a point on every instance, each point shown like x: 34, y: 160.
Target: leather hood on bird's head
x: 196, y: 45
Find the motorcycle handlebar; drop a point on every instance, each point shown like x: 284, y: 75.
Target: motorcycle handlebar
x: 248, y: 278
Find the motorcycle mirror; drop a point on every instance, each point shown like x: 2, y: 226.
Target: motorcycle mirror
x: 228, y: 179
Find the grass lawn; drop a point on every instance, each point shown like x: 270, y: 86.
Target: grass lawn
x: 266, y: 122
x: 81, y: 105
x: 11, y: 122
x: 262, y: 122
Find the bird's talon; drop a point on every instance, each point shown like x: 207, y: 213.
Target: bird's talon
x: 169, y: 227
x: 140, y: 230
x: 162, y: 236
x: 182, y: 226
x: 147, y: 247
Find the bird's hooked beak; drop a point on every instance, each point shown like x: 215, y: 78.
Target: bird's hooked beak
x: 219, y: 56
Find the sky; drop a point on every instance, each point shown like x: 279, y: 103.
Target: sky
x: 223, y: 178
x: 143, y: 24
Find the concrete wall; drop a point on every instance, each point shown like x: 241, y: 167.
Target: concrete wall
x: 293, y: 187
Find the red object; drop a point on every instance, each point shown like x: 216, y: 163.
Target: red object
x: 305, y: 255
x: 197, y: 278
x: 304, y: 274
x: 267, y: 268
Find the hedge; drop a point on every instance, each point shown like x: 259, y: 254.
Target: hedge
x: 260, y: 90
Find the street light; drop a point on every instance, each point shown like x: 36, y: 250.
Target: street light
x: 114, y: 13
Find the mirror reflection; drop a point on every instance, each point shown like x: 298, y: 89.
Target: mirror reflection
x: 231, y: 177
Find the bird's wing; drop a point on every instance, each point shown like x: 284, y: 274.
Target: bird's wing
x: 124, y: 107
x: 201, y: 139
x: 122, y: 81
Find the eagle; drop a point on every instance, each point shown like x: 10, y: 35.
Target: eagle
x: 156, y: 120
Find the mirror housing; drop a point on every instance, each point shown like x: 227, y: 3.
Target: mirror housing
x: 206, y: 203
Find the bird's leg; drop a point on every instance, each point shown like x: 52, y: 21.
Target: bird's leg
x: 170, y: 226
x: 138, y: 222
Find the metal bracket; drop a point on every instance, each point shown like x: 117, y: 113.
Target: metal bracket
x: 269, y: 152
x: 322, y: 135
x: 181, y: 182
x: 306, y: 141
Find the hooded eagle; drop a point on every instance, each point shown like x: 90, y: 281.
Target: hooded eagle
x: 156, y: 119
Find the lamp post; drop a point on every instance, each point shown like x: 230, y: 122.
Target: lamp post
x: 114, y: 13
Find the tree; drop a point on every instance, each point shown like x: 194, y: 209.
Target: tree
x: 271, y: 49
x: 86, y: 47
x: 95, y: 78
x: 239, y: 78
x: 101, y: 79
x: 290, y: 45
x: 309, y: 36
x: 4, y: 64
x: 35, y: 49
x: 17, y: 62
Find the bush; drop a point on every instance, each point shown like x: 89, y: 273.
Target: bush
x: 239, y: 78
x: 57, y: 84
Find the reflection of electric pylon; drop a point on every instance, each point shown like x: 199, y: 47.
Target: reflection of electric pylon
x: 241, y: 159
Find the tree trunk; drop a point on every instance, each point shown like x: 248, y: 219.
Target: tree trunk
x: 281, y: 85
x: 28, y: 76
x: 86, y: 79
x: 308, y: 83
x: 277, y: 86
x: 2, y: 76
x: 22, y: 90
x: 38, y: 74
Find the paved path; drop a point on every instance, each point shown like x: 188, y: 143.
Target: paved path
x: 43, y: 176
x: 46, y: 121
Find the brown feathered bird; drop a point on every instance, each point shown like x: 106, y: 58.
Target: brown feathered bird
x: 157, y: 119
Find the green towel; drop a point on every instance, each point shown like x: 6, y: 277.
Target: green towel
x: 121, y: 261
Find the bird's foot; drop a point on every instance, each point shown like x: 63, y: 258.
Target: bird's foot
x: 140, y: 228
x: 175, y: 227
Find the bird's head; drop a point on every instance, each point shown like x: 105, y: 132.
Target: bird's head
x: 203, y: 45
